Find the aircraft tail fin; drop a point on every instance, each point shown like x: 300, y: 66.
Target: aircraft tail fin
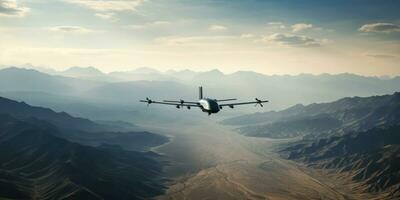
x: 200, y: 92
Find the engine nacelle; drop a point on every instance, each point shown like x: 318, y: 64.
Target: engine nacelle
x: 177, y: 106
x: 231, y: 106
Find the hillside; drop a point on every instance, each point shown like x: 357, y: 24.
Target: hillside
x: 340, y: 116
x: 63, y: 120
x: 371, y: 157
x: 35, y: 164
x: 82, y: 130
x: 293, y: 128
x: 357, y: 136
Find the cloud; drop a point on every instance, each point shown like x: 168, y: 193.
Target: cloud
x: 380, y: 27
x: 193, y: 40
x: 10, y: 8
x: 108, y: 16
x: 70, y: 29
x: 135, y: 27
x: 291, y: 40
x: 148, y: 25
x: 217, y: 28
x: 247, y: 35
x: 109, y: 5
x: 300, y: 27
x: 381, y: 56
x: 157, y: 23
x: 277, y: 24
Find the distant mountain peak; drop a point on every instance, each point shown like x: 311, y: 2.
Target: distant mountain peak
x: 215, y: 71
x: 83, y: 71
x: 145, y: 70
x: 14, y: 69
x: 212, y: 73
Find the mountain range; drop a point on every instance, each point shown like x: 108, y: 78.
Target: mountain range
x: 88, y: 84
x: 341, y: 116
x: 358, y: 137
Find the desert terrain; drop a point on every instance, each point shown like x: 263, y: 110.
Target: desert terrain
x: 212, y: 161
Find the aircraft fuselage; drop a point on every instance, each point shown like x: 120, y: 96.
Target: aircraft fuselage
x: 209, y: 106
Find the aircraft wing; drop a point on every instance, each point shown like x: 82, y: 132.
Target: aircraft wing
x: 149, y: 101
x: 180, y: 101
x: 256, y: 102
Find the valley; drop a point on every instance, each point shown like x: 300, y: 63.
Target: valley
x: 218, y: 163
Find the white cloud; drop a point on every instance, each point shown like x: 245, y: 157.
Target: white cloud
x: 109, y: 5
x: 160, y: 23
x: 380, y: 27
x: 10, y: 8
x: 217, y: 28
x: 291, y: 40
x: 301, y: 27
x: 108, y: 16
x: 381, y: 56
x: 247, y: 35
x: 148, y: 25
x: 193, y: 40
x: 277, y: 24
x: 70, y: 29
x: 135, y: 27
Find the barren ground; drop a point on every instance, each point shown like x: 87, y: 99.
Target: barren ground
x: 210, y: 161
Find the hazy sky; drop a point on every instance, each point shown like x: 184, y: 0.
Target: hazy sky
x: 271, y: 37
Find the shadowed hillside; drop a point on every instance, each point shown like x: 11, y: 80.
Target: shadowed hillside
x: 82, y: 130
x: 35, y: 164
x: 61, y: 119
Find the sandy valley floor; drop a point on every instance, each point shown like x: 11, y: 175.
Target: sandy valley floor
x: 218, y: 163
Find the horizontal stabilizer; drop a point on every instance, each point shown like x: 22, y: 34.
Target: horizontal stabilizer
x: 226, y: 100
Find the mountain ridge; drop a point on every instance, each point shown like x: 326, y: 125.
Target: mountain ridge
x: 355, y: 113
x: 82, y: 130
x: 35, y: 164
x: 371, y: 157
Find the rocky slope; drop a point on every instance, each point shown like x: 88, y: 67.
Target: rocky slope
x: 371, y: 157
x: 35, y: 164
x: 355, y: 136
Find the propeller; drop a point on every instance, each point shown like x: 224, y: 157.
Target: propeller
x: 149, y: 101
x: 259, y: 102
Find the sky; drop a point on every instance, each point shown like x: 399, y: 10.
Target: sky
x: 266, y: 36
